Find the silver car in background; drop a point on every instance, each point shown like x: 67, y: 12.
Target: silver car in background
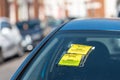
x: 10, y: 39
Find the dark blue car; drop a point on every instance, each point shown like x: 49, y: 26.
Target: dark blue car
x: 78, y: 50
x: 31, y: 32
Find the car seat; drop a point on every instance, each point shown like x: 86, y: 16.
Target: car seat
x: 97, y: 62
x: 99, y: 56
x: 95, y: 65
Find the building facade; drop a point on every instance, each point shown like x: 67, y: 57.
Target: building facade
x: 4, y: 10
x: 18, y: 10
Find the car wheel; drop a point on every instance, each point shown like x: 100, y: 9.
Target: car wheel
x: 1, y: 56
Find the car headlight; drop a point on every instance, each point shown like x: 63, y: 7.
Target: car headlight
x: 5, y: 31
x: 28, y: 39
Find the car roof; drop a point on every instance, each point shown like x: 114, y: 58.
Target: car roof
x: 5, y: 19
x: 93, y: 24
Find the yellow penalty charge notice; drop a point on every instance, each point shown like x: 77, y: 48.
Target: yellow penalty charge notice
x: 79, y: 49
x: 70, y: 60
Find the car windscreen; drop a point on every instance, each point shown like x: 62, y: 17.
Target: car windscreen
x: 5, y: 25
x: 77, y: 55
x: 29, y: 27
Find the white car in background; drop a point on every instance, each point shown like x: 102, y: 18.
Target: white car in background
x: 10, y: 40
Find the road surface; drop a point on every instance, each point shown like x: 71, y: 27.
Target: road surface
x: 8, y: 68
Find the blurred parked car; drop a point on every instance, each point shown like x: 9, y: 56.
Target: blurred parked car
x: 31, y: 33
x: 10, y: 40
x: 78, y: 50
x: 51, y: 24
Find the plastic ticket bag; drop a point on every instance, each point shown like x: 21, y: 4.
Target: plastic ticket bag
x: 79, y: 49
x: 70, y: 60
x: 76, y: 55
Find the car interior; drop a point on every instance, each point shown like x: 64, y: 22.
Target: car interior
x: 98, y: 66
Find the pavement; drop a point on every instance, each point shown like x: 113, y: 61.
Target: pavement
x: 8, y: 68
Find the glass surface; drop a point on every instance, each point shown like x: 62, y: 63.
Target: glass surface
x: 5, y: 25
x: 100, y: 63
